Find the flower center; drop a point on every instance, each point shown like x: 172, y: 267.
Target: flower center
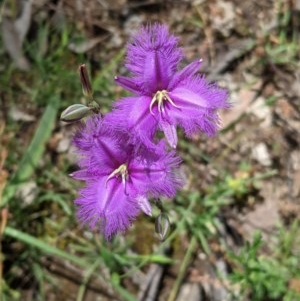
x: 160, y: 97
x: 122, y: 171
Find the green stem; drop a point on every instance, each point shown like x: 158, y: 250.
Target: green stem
x: 86, y: 278
x: 183, y: 268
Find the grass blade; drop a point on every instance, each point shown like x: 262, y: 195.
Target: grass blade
x: 34, y: 152
x: 36, y: 148
x: 44, y: 247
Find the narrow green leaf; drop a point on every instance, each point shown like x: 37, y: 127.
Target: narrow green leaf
x: 155, y: 258
x: 56, y: 198
x: 34, y: 151
x: 122, y: 291
x: 44, y: 247
x: 183, y: 268
x: 87, y: 275
x: 36, y: 148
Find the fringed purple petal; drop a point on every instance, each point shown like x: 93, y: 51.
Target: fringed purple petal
x: 166, y: 183
x: 150, y: 39
x: 157, y: 178
x: 84, y: 136
x: 187, y: 72
x: 207, y: 122
x: 129, y: 84
x: 198, y: 102
x: 144, y: 205
x: 170, y: 133
x: 131, y: 115
x: 197, y: 92
x: 156, y: 72
x: 96, y: 148
x: 106, y: 205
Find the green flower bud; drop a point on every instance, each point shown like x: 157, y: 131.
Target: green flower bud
x: 162, y: 226
x: 74, y: 113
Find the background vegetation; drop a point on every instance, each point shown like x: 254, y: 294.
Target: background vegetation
x: 235, y: 225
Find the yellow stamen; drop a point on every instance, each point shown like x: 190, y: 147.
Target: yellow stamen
x: 121, y: 170
x: 159, y: 97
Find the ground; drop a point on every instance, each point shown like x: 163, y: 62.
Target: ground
x: 234, y: 226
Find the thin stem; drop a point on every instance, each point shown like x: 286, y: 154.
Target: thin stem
x: 86, y: 278
x: 183, y: 268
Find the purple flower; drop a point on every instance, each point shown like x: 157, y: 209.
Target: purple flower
x: 163, y: 96
x: 119, y: 182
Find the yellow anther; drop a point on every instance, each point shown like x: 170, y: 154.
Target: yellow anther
x: 159, y: 97
x: 121, y: 170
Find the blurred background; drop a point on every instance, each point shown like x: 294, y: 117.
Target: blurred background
x: 234, y: 231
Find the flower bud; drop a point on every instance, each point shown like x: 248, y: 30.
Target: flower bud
x: 74, y: 113
x: 162, y: 226
x: 85, y: 81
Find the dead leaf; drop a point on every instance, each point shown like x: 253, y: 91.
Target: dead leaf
x: 22, y: 24
x: 18, y: 115
x: 261, y: 154
x: 27, y: 192
x: 265, y: 216
x: 14, y: 32
x: 294, y: 284
x: 261, y: 111
x: 86, y: 45
x: 241, y: 101
x: 223, y: 17
x: 296, y: 184
x: 189, y: 291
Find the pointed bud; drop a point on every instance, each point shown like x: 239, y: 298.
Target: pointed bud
x: 85, y: 81
x: 74, y: 113
x: 162, y: 226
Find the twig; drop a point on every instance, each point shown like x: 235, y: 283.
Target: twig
x: 74, y: 274
x: 149, y: 289
x: 244, y: 47
x: 240, y: 50
x: 158, y: 271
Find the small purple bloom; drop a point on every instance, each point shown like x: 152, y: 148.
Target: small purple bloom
x: 163, y: 96
x: 119, y: 182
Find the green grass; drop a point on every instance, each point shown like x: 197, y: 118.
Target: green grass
x: 263, y: 276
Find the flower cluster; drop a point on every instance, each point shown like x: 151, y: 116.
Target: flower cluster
x: 121, y: 159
